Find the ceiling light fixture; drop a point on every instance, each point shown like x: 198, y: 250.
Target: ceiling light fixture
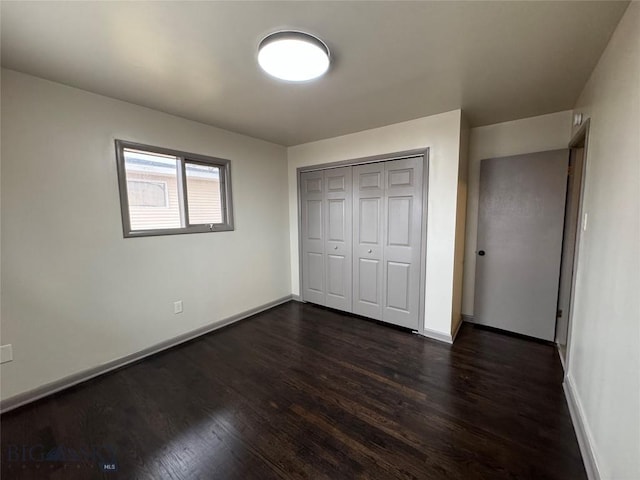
x: 293, y: 56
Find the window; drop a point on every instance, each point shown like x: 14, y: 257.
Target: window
x: 164, y: 192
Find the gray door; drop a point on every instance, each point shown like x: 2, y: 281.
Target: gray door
x: 312, y: 187
x: 368, y: 247
x: 338, y: 197
x: 402, y: 241
x: 520, y: 223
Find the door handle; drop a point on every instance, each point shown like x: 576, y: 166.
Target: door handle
x: 336, y: 247
x: 369, y: 251
x: 481, y: 253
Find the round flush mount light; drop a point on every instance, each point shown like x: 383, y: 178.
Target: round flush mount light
x: 293, y: 56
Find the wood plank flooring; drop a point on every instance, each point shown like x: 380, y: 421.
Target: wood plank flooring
x: 304, y: 392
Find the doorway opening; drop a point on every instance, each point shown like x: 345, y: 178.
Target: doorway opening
x: 574, y: 224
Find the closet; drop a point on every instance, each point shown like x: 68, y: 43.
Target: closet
x: 361, y: 238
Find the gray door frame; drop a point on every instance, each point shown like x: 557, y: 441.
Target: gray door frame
x: 579, y: 140
x: 419, y: 152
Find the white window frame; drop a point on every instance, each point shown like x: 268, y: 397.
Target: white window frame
x: 183, y: 158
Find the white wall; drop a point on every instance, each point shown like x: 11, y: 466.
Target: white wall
x: 441, y: 133
x: 604, y: 352
x: 528, y: 135
x: 75, y: 293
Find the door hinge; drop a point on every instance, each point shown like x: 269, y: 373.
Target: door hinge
x: 570, y: 170
x: 559, y: 314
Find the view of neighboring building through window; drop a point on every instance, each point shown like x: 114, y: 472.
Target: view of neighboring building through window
x: 165, y: 193
x: 143, y: 193
x: 203, y: 193
x: 144, y: 172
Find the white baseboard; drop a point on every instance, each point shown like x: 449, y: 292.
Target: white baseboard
x: 440, y: 336
x: 435, y: 335
x: 585, y: 439
x: 50, y: 388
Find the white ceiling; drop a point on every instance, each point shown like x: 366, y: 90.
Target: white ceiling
x: 393, y: 61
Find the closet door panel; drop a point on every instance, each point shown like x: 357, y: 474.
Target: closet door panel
x: 402, y: 241
x: 315, y: 281
x: 313, y: 237
x: 368, y: 203
x: 338, y: 244
x: 398, y: 286
x: 370, y: 220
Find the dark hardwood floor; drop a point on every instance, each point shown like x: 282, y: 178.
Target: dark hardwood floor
x: 304, y: 392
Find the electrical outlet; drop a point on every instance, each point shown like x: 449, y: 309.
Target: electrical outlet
x: 6, y: 353
x: 177, y: 306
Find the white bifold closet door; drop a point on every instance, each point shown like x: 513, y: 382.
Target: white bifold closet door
x: 403, y: 241
x: 338, y: 242
x: 361, y: 239
x: 387, y: 236
x: 368, y: 244
x: 326, y: 237
x: 313, y: 236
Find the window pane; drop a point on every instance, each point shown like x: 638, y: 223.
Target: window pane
x: 143, y: 193
x: 204, y: 196
x: 152, y: 188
